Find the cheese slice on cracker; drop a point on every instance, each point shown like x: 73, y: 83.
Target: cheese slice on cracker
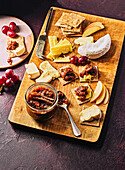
x: 19, y: 50
x: 88, y: 115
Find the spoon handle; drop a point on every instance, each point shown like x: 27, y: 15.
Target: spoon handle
x: 75, y: 129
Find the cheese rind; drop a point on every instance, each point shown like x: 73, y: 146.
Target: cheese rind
x: 32, y: 70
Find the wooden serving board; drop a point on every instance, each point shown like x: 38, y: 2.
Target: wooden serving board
x: 107, y: 65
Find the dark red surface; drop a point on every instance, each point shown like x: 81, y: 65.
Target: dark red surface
x: 22, y: 148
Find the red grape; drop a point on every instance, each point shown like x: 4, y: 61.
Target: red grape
x: 5, y: 28
x: 82, y: 60
x: 11, y: 33
x: 74, y: 59
x: 2, y: 80
x: 12, y: 26
x: 15, y: 78
x: 9, y: 73
x: 9, y: 83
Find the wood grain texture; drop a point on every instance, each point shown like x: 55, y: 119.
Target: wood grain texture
x: 107, y: 70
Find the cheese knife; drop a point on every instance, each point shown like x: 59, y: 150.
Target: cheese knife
x: 42, y: 38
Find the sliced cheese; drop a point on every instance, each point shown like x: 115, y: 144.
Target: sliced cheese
x: 44, y: 78
x: 50, y: 70
x: 62, y: 59
x: 45, y: 65
x: 52, y: 41
x: 32, y: 70
x: 88, y: 77
x: 84, y: 40
x: 90, y: 113
x: 62, y: 49
x: 89, y: 93
x: 61, y: 42
x: 20, y: 50
x: 97, y: 49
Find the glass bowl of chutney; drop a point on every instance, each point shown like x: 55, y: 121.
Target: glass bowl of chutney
x: 41, y: 100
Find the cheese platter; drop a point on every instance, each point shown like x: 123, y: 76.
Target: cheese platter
x: 60, y: 43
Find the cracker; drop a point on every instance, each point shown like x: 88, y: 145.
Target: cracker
x: 75, y: 20
x: 95, y: 123
x: 69, y: 20
x: 20, y: 41
x: 73, y: 30
x: 63, y: 20
x: 94, y: 79
x: 76, y: 97
x: 67, y: 82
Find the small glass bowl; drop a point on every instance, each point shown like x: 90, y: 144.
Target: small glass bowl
x: 45, y: 113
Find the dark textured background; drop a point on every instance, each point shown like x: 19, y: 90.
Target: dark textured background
x: 22, y: 148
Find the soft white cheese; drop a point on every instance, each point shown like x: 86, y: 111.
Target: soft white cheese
x: 97, y: 49
x: 90, y: 113
x: 44, y: 78
x: 46, y: 67
x: 83, y: 40
x: 19, y: 50
x: 32, y: 70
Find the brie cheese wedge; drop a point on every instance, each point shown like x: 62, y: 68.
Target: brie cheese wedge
x: 97, y: 49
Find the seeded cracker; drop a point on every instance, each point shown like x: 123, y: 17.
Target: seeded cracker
x: 62, y: 22
x: 69, y: 20
x: 75, y: 20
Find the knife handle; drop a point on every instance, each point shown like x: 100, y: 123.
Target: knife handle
x: 48, y: 20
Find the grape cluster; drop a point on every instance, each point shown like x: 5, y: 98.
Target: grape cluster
x: 9, y: 30
x: 81, y: 60
x: 9, y: 78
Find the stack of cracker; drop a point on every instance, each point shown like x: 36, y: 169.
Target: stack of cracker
x: 71, y: 24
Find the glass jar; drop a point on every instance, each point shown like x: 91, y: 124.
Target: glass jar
x: 41, y: 113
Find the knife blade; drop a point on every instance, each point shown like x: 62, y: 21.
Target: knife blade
x: 42, y: 38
